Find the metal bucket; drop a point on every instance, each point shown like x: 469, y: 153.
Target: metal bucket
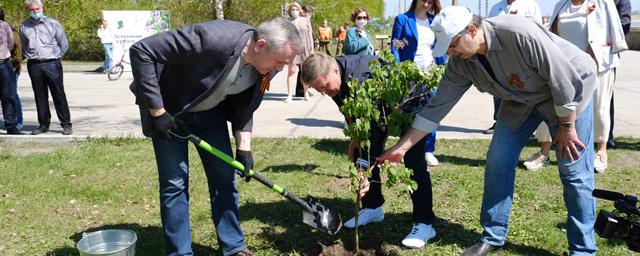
x: 110, y: 242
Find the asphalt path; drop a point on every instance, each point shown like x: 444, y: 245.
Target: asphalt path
x: 103, y: 108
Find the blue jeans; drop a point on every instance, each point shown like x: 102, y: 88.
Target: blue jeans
x: 577, y: 179
x: 18, y: 104
x: 108, y: 56
x: 173, y: 171
x: 7, y: 95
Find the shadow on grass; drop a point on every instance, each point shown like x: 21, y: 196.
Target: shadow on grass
x: 334, y: 146
x: 626, y: 144
x: 290, y: 168
x: 298, y: 238
x: 150, y: 241
x: 456, y: 160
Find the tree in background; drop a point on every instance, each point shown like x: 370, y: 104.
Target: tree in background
x: 80, y: 18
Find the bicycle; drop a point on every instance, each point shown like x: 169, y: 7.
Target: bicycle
x: 118, y: 69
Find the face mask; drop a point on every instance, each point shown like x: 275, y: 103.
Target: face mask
x: 361, y: 23
x: 36, y: 15
x: 295, y: 14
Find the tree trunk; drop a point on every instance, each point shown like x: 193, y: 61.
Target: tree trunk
x: 219, y: 9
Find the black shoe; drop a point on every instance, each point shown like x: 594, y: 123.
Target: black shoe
x: 41, y: 129
x: 490, y: 130
x: 67, y: 130
x: 611, y: 144
x: 14, y: 131
x: 480, y: 249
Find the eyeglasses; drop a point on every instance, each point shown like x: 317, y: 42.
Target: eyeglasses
x: 362, y: 18
x: 455, y: 41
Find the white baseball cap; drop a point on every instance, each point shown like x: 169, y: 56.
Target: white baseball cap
x: 447, y: 24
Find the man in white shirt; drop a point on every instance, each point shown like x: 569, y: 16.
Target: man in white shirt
x: 106, y: 38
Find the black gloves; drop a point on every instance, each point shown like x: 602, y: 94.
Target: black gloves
x: 246, y: 159
x: 163, y: 123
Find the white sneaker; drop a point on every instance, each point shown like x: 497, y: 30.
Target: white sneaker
x: 536, y: 161
x: 431, y: 159
x: 366, y: 216
x: 419, y: 235
x: 600, y: 161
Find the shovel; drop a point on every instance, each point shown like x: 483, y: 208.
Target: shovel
x: 314, y: 213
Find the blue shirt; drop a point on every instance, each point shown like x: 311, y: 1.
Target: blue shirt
x: 44, y: 39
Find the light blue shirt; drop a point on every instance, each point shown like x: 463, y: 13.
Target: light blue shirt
x: 44, y: 39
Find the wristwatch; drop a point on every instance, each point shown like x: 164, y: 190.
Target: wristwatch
x: 567, y: 124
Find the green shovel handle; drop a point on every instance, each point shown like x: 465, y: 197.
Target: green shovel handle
x: 216, y: 152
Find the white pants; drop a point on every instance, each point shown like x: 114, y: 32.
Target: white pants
x: 602, y: 105
x: 542, y: 133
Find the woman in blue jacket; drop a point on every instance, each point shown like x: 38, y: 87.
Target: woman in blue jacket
x: 412, y: 39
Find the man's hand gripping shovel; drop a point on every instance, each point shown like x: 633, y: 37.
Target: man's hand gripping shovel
x: 314, y: 213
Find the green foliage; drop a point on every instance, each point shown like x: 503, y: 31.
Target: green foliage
x: 376, y: 101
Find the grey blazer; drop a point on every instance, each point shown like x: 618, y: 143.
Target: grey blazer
x: 180, y: 68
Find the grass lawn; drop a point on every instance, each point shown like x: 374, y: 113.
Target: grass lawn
x: 51, y: 193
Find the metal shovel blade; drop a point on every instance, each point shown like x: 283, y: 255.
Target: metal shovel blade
x: 321, y: 217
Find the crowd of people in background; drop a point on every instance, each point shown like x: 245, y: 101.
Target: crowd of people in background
x: 42, y: 41
x: 425, y: 34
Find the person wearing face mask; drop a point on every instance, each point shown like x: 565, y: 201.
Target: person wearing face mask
x: 44, y: 42
x: 303, y: 24
x: 358, y: 41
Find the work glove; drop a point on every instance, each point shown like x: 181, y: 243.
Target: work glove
x: 163, y: 123
x: 245, y: 157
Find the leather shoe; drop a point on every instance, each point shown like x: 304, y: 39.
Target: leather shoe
x: 67, y: 131
x: 480, y: 248
x: 41, y: 129
x: 14, y: 131
x: 611, y: 144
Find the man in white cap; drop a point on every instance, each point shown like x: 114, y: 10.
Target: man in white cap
x: 540, y: 77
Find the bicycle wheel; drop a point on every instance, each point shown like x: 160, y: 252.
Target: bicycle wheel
x: 116, y: 72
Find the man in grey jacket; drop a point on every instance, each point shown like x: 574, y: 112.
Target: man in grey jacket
x: 540, y: 77
x: 204, y: 75
x: 44, y: 42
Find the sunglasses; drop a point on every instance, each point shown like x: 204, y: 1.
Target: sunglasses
x: 362, y: 18
x: 456, y: 40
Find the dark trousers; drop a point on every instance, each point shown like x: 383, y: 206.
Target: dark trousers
x: 7, y: 95
x: 414, y: 159
x: 45, y: 77
x: 496, y: 106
